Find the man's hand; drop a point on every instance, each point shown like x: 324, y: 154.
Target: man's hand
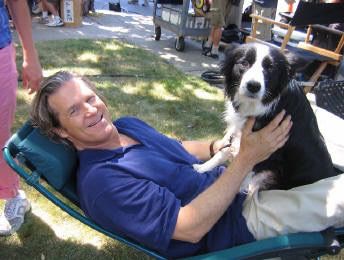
x: 258, y: 146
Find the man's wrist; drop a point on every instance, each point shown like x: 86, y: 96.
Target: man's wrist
x: 250, y: 161
x: 211, y: 148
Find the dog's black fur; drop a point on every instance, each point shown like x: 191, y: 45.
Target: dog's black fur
x: 304, y: 159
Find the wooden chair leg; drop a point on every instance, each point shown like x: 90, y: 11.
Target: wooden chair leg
x: 287, y: 37
x: 318, y: 72
x: 314, y: 78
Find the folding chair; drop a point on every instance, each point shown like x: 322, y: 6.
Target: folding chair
x: 314, y: 16
x: 35, y: 158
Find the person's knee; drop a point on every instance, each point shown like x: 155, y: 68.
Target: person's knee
x: 55, y: 3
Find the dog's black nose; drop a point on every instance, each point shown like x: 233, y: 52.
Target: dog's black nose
x: 253, y: 86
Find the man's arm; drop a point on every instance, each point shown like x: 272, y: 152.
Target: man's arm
x: 32, y: 71
x: 201, y: 149
x: 199, y: 216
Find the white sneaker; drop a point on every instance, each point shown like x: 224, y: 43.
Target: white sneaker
x: 56, y: 22
x: 13, y: 218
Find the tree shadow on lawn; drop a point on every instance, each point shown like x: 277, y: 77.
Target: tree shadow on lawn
x: 38, y: 241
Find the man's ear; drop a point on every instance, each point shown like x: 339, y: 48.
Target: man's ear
x: 297, y: 63
x: 61, y: 133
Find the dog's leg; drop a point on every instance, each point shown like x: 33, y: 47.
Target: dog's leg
x: 219, y: 158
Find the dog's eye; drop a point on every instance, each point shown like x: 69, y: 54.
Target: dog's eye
x: 244, y: 63
x: 267, y: 64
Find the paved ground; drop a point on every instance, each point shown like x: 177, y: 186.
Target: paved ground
x: 135, y: 25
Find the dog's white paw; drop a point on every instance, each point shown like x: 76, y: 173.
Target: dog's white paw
x: 199, y: 168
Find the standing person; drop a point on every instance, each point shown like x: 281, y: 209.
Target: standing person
x: 16, y: 202
x: 217, y: 14
x: 266, y: 8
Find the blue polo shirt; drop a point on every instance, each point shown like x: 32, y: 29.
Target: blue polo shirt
x: 5, y: 33
x: 137, y: 191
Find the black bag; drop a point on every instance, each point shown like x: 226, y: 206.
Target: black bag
x: 231, y: 34
x: 115, y: 7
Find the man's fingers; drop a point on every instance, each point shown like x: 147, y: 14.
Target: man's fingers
x: 276, y: 121
x: 284, y: 128
x: 283, y: 134
x: 248, y: 125
x: 281, y: 143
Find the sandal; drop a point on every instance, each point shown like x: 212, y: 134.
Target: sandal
x: 206, y: 50
x: 209, y: 54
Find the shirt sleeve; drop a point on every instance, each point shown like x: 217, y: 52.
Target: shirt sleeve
x: 139, y: 209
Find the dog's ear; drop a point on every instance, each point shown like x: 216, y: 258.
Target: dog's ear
x: 230, y: 48
x: 227, y: 69
x: 228, y: 62
x: 296, y: 63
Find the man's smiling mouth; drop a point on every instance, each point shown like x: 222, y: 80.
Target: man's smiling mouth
x: 97, y: 121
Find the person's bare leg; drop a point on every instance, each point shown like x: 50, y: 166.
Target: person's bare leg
x: 216, y: 38
x: 209, y: 42
x: 44, y: 18
x: 51, y: 8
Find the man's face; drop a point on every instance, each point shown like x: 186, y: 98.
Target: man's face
x: 84, y: 118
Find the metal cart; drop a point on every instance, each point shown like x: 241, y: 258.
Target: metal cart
x: 176, y: 18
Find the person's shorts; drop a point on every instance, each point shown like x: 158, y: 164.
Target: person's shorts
x: 218, y: 12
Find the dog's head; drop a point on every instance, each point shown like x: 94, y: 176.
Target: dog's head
x: 255, y: 75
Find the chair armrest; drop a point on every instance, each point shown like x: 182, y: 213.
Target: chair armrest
x: 321, y: 51
x: 326, y: 29
x: 270, y: 21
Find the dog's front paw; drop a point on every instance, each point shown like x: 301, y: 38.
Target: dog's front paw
x: 199, y: 168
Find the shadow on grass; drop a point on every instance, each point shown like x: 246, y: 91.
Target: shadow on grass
x: 108, y: 57
x: 38, y: 241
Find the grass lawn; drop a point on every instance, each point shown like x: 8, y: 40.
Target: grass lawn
x: 135, y: 82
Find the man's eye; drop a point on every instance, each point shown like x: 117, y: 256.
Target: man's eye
x: 73, y: 112
x: 91, y: 99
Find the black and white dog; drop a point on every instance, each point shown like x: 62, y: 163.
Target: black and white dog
x: 258, y: 82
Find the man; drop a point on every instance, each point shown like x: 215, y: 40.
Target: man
x: 219, y: 9
x: 137, y: 182
x: 16, y: 203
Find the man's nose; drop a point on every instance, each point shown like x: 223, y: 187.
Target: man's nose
x: 90, y: 109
